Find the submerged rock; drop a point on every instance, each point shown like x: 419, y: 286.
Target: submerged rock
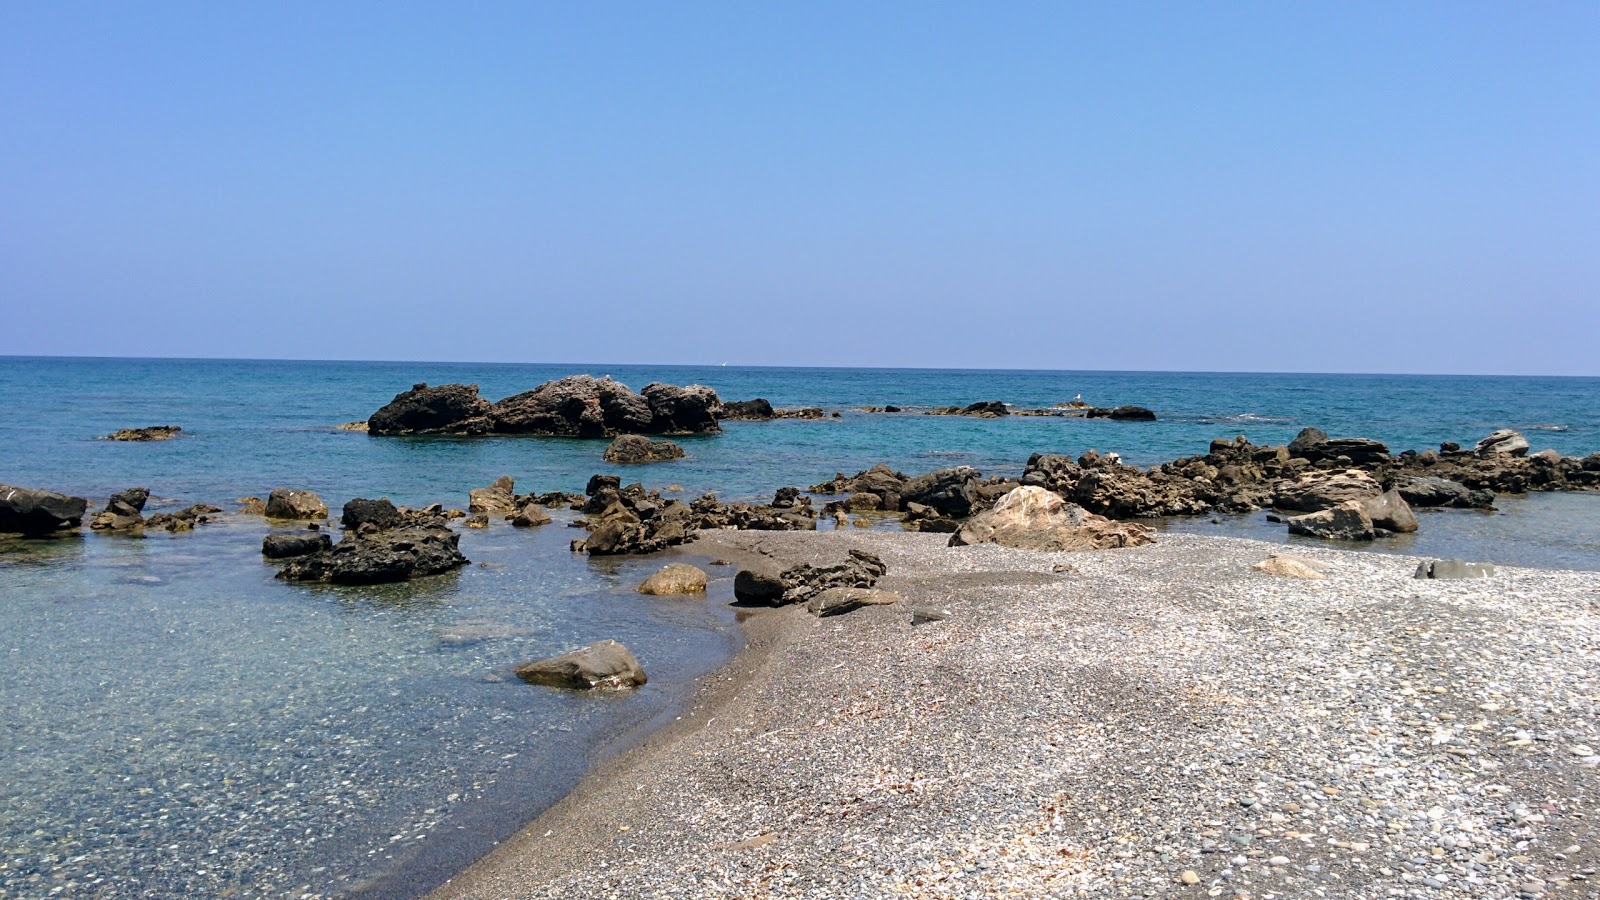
x: 677, y: 578
x: 288, y: 503
x: 633, y: 448
x: 184, y: 519
x: 34, y: 512
x: 1032, y: 518
x: 378, y: 557
x: 601, y: 665
x: 152, y: 433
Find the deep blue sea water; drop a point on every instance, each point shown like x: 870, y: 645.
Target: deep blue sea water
x: 174, y: 722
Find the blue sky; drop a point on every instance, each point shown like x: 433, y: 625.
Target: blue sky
x: 1391, y: 187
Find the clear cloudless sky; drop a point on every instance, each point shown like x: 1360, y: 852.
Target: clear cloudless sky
x: 1381, y: 187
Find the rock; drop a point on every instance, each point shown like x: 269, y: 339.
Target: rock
x: 499, y: 497
x: 1121, y: 413
x: 922, y: 615
x: 152, y: 433
x: 35, y: 512
x: 1347, y: 521
x: 446, y: 409
x: 530, y: 516
x: 184, y: 519
x: 950, y: 492
x: 476, y: 521
x: 577, y: 406
x: 880, y: 480
x: 633, y: 448
x: 758, y: 586
x: 1315, y: 446
x: 601, y: 665
x: 283, y: 545
x: 378, y: 557
x: 677, y: 578
x: 1390, y: 511
x: 681, y: 410
x: 287, y: 503
x: 1319, y: 490
x: 360, y: 426
x: 252, y: 506
x: 1032, y: 518
x: 378, y: 513
x: 122, y: 512
x: 1453, y: 568
x: 1504, y: 442
x: 860, y: 569
x: 799, y: 412
x: 838, y: 601
x: 753, y: 410
x: 863, y: 501
x: 1290, y: 567
x: 1307, y: 440
x: 1433, y: 491
x: 986, y: 409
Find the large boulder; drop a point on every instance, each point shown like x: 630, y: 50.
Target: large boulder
x: 380, y: 514
x: 531, y: 515
x: 677, y: 578
x: 758, y: 586
x: 1317, y: 490
x: 634, y: 448
x: 952, y: 492
x: 1504, y: 442
x: 34, y: 512
x: 377, y: 557
x: 681, y: 410
x: 296, y: 505
x: 1346, y: 522
x: 123, y: 511
x: 499, y: 497
x: 605, y: 665
x: 1032, y: 518
x: 446, y: 409
x: 1434, y: 491
x: 576, y: 406
x: 1390, y: 512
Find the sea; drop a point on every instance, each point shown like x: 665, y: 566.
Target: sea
x: 176, y: 722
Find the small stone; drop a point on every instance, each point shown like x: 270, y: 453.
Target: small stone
x: 1278, y: 861
x: 1189, y: 876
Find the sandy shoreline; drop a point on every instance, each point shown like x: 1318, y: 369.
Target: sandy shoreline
x: 1149, y: 718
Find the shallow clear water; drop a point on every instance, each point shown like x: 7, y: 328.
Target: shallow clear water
x: 175, y: 722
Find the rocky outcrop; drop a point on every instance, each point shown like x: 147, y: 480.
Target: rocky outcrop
x: 1121, y: 413
x: 1319, y: 490
x: 603, y: 665
x: 446, y: 409
x: 380, y: 513
x: 289, y: 544
x: 34, y: 512
x: 756, y: 410
x: 1504, y: 442
x: 152, y: 433
x: 296, y: 505
x: 368, y: 556
x: 1104, y: 486
x: 633, y: 448
x: 1433, y: 491
x: 576, y: 406
x: 1314, y: 445
x: 983, y: 409
x: 1346, y: 522
x: 951, y: 492
x: 677, y: 578
x: 123, y: 511
x: 1032, y: 518
x: 499, y: 497
x: 880, y: 481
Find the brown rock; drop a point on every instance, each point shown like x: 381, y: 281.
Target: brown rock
x: 677, y: 578
x: 1032, y: 518
x: 603, y: 664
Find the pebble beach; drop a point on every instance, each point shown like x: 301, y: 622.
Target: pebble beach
x: 1150, y: 722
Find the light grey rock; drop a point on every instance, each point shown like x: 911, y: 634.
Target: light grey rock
x: 1453, y: 568
x: 602, y: 664
x: 1346, y: 522
x: 1504, y: 442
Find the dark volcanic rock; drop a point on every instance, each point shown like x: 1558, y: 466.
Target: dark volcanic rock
x: 681, y: 410
x: 448, y: 408
x: 602, y: 664
x: 184, y: 519
x: 152, y: 433
x: 33, y: 512
x: 633, y: 448
x: 379, y: 557
x: 284, y: 545
x: 1122, y: 413
x: 1433, y: 491
x: 758, y: 586
x: 951, y: 492
x: 378, y: 513
x: 986, y: 409
x: 122, y: 512
x: 754, y: 410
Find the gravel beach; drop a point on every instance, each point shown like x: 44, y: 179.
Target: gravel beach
x: 1151, y: 722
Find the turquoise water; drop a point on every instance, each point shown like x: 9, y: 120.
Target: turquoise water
x: 174, y: 722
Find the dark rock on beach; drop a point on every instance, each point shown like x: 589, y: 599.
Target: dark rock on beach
x: 951, y: 492
x: 152, y: 433
x: 633, y: 448
x: 375, y: 557
x: 34, y: 512
x: 840, y: 600
x: 601, y: 665
x: 801, y: 583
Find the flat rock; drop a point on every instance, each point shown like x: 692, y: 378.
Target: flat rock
x: 1290, y: 567
x: 286, y: 545
x: 1453, y: 568
x: 605, y: 665
x: 677, y: 578
x: 1323, y: 490
x: 152, y: 433
x: 838, y: 601
x: 380, y: 557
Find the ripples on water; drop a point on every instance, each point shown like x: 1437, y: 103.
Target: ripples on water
x: 174, y: 722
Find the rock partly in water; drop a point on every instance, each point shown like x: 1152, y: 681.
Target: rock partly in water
x: 289, y: 544
x: 605, y: 665
x: 184, y: 519
x: 634, y: 448
x: 841, y: 600
x: 677, y: 578
x: 1121, y: 413
x: 123, y: 511
x: 750, y: 410
x: 34, y: 512
x: 380, y: 514
x: 152, y: 433
x: 1390, y: 512
x: 1504, y: 442
x: 298, y: 505
x: 499, y: 497
x: 759, y: 586
x: 1346, y: 522
x: 1434, y: 491
x: 377, y: 557
x: 1290, y: 567
x: 1032, y: 518
x: 531, y: 515
x: 951, y: 492
x: 1320, y: 490
x: 1453, y: 568
x: 446, y: 409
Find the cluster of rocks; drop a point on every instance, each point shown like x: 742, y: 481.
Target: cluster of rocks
x: 761, y: 410
x: 994, y: 409
x: 629, y: 519
x: 576, y: 406
x: 35, y: 513
x: 125, y: 512
x: 382, y: 543
x: 805, y: 582
x: 152, y: 433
